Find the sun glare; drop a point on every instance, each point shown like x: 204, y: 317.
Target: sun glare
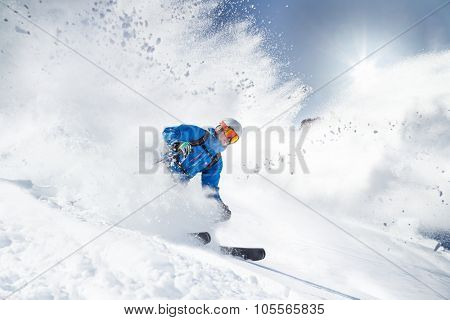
x: 364, y: 74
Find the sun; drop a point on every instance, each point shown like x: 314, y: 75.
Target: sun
x: 364, y: 74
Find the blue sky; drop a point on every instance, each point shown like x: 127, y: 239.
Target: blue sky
x: 320, y: 38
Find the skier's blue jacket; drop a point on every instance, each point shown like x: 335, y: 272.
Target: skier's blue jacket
x: 204, y: 158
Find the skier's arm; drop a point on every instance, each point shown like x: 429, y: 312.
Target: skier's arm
x: 182, y: 133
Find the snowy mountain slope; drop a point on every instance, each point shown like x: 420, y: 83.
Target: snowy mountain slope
x: 125, y: 264
x: 378, y: 161
x: 122, y: 264
x: 302, y: 244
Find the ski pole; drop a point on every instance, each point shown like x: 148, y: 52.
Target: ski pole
x: 168, y: 154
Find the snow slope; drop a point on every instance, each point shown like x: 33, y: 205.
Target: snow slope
x: 69, y: 163
x: 121, y: 264
x: 125, y: 264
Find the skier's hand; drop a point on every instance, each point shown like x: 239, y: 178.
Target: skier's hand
x: 184, y: 148
x: 225, y: 213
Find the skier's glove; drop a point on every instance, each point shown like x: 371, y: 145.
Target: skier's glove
x: 225, y: 212
x: 184, y: 148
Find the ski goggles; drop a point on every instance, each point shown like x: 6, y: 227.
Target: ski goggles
x: 230, y: 134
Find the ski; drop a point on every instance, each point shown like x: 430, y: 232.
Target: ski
x: 254, y: 254
x: 203, y: 237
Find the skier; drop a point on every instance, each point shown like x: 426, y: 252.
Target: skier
x: 193, y: 150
